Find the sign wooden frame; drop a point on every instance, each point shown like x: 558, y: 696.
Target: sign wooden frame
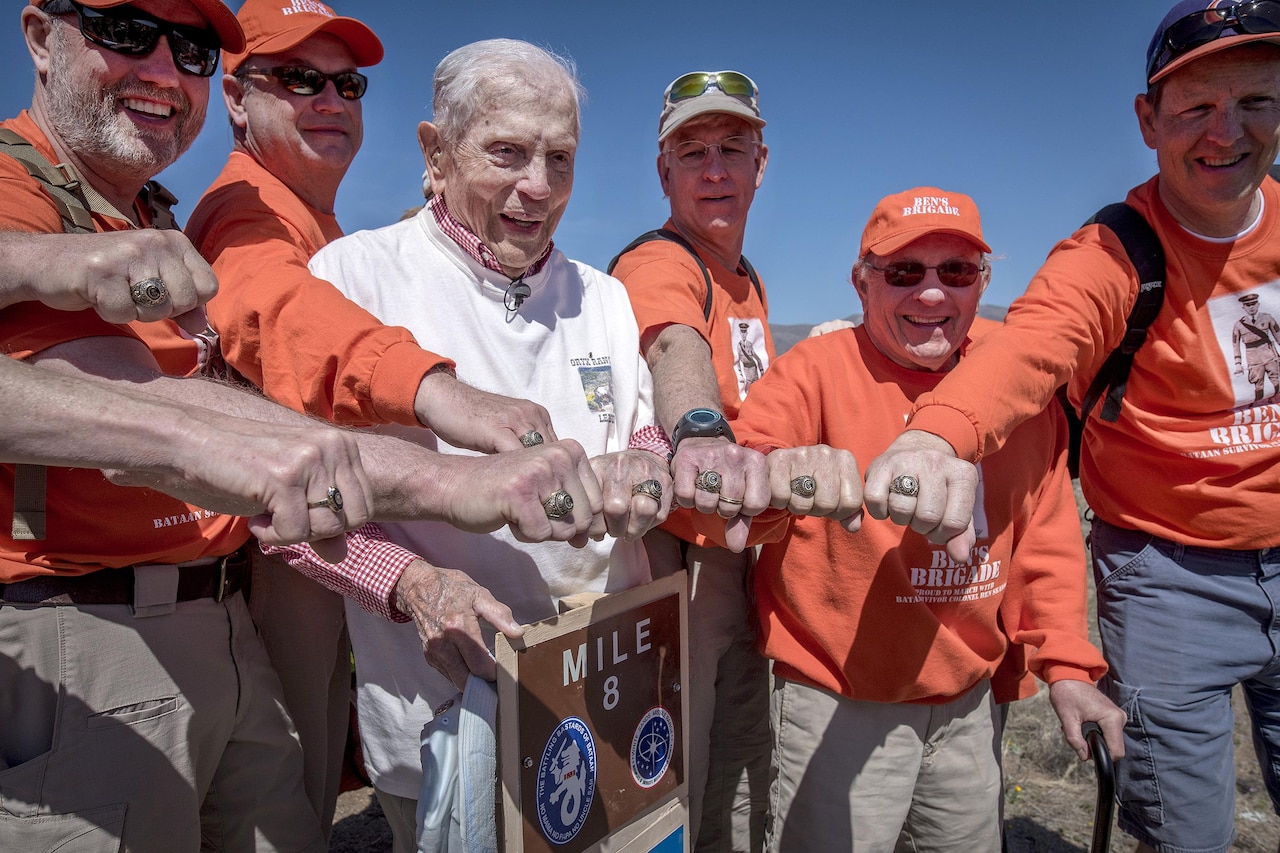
x: 604, y: 673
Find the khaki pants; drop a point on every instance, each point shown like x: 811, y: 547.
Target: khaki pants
x: 729, y: 738
x: 304, y: 629
x: 873, y: 776
x: 163, y: 733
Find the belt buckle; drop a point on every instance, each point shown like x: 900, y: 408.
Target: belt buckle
x: 221, y: 591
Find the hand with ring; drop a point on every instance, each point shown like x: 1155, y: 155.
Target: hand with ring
x: 637, y: 491
x: 819, y: 481
x: 919, y: 483
x: 717, y: 477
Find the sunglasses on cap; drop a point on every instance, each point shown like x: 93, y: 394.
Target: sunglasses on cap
x: 696, y: 83
x: 953, y: 273
x: 125, y: 30
x: 303, y: 80
x: 1200, y: 28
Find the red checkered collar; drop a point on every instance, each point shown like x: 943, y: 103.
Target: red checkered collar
x: 473, y: 245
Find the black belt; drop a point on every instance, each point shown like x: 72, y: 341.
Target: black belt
x: 215, y: 580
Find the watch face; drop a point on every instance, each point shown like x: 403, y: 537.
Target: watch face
x: 703, y: 417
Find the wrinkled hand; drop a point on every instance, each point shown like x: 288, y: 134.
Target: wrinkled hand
x: 744, y: 482
x: 943, y: 510
x: 835, y: 476
x: 1078, y: 702
x: 447, y: 606
x: 270, y: 473
x: 483, y: 493
x: 477, y: 420
x: 79, y: 271
x: 629, y: 515
x: 828, y: 327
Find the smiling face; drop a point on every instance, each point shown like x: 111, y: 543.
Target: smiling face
x: 123, y: 119
x: 921, y: 327
x: 307, y: 141
x: 508, y: 176
x: 1216, y: 130
x: 709, y: 202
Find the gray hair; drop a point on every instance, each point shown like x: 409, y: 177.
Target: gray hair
x: 464, y: 78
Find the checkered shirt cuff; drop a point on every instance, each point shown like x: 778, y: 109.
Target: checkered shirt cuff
x: 652, y: 438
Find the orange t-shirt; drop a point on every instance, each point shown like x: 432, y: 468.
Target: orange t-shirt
x: 1193, y: 455
x: 667, y: 288
x: 882, y: 614
x: 91, y: 523
x: 291, y: 334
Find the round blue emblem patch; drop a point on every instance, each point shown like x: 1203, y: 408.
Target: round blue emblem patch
x: 566, y: 781
x: 651, y: 747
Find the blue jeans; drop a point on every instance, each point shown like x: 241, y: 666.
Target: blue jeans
x: 1181, y: 626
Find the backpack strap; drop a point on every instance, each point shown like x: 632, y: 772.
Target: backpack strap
x: 76, y: 201
x: 1147, y: 256
x: 673, y: 237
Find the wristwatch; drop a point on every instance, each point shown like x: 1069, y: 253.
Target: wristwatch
x: 701, y: 423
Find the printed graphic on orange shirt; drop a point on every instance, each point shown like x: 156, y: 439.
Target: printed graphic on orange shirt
x: 750, y: 358
x: 945, y: 581
x: 1249, y: 337
x: 597, y: 384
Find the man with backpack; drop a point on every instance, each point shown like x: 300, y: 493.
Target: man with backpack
x: 1179, y: 462
x: 705, y: 335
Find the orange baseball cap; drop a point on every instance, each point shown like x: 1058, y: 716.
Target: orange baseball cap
x: 222, y: 20
x: 275, y: 26
x: 907, y: 216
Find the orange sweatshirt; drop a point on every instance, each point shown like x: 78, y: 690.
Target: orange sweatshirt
x: 1193, y: 457
x: 293, y: 335
x: 667, y: 288
x: 92, y: 524
x: 883, y: 614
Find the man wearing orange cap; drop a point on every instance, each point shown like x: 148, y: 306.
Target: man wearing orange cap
x: 140, y: 710
x: 705, y: 336
x: 1178, y: 463
x: 883, y: 647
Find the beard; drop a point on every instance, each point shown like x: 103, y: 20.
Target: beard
x: 90, y: 121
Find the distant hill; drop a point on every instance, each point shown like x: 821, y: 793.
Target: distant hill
x: 785, y: 336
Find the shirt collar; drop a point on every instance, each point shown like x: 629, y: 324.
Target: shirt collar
x: 473, y: 245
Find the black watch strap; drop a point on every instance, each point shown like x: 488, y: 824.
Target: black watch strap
x: 701, y: 423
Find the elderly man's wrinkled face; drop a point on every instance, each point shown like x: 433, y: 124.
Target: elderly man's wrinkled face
x: 124, y: 115
x: 921, y: 326
x: 509, y: 177
x: 1215, y: 131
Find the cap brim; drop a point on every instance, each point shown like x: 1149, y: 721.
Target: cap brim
x: 366, y: 47
x: 905, y: 237
x: 1212, y: 47
x: 713, y: 101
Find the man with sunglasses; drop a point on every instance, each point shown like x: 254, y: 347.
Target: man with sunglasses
x: 880, y: 642
x: 1185, y: 541
x: 706, y: 338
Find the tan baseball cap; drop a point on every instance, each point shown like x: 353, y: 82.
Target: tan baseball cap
x: 702, y: 92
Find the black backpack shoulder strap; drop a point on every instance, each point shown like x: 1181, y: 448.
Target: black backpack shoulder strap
x: 673, y: 237
x: 1147, y: 256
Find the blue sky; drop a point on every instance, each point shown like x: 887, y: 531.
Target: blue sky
x: 1027, y: 107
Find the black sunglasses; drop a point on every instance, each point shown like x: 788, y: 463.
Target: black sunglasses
x: 126, y: 30
x: 1200, y: 28
x: 954, y: 273
x: 302, y: 80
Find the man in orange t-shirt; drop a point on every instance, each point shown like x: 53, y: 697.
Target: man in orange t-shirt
x: 880, y: 642
x: 1183, y: 482
x: 711, y: 160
